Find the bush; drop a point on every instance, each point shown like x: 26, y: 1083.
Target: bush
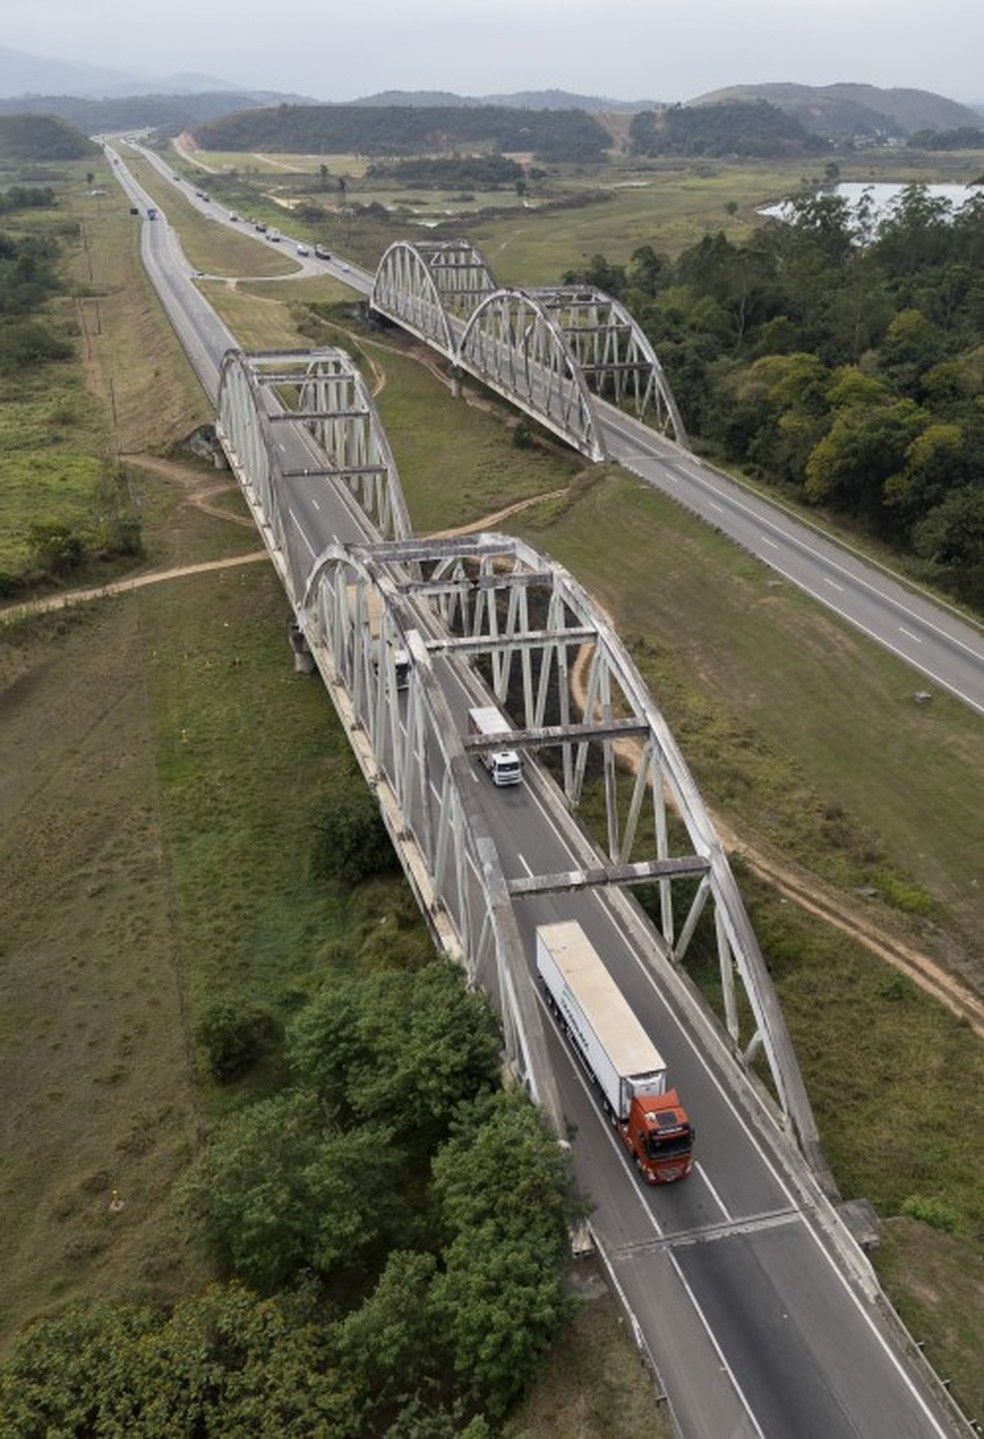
x: 931, y: 1211
x: 351, y: 842
x: 235, y: 1038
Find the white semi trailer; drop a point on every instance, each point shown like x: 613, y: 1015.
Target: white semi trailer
x: 616, y: 1051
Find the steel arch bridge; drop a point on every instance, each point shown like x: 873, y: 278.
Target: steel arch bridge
x: 324, y: 399
x: 554, y: 351
x: 474, y: 615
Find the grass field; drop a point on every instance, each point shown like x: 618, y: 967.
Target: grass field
x: 798, y: 733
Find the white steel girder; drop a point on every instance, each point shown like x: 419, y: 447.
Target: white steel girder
x: 322, y: 393
x: 614, y: 354
x: 414, y: 758
x: 495, y: 604
x: 528, y: 624
x: 547, y: 350
x: 427, y: 285
x: 515, y: 346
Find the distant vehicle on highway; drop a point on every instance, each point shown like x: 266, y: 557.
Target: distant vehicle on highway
x: 233, y: 215
x: 274, y: 235
x: 322, y: 252
x: 261, y: 226
x: 151, y: 212
x: 134, y: 209
x: 303, y: 250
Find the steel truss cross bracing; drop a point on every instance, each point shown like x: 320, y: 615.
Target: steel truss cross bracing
x: 552, y: 351
x: 479, y: 617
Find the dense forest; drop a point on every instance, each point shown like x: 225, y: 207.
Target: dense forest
x: 553, y: 135
x: 169, y: 114
x: 840, y: 360
x: 728, y: 127
x: 473, y: 172
x: 399, y: 1218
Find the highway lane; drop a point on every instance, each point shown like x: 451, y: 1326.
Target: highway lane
x: 944, y: 647
x: 941, y: 645
x: 740, y: 1291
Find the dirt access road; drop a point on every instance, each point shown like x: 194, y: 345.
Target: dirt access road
x: 793, y: 882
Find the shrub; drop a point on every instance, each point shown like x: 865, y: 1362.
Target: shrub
x: 351, y: 842
x: 931, y: 1211
x: 234, y: 1038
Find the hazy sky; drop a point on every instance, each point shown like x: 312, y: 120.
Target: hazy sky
x: 632, y: 49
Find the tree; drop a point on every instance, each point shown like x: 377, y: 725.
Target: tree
x: 855, y: 464
x: 55, y: 546
x: 398, y: 1042
x: 351, y: 842
x: 281, y: 1190
x: 503, y: 1185
x: 951, y: 538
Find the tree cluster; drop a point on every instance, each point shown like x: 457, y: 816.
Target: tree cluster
x: 842, y: 359
x: 964, y: 137
x: 474, y: 172
x: 727, y: 127
x: 394, y: 130
x: 400, y: 1220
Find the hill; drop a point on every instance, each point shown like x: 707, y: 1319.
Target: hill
x: 41, y: 137
x: 23, y: 74
x: 552, y: 135
x: 169, y: 113
x: 847, y: 110
x: 750, y: 128
x: 520, y: 100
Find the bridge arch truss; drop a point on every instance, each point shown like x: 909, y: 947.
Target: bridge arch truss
x: 552, y: 350
x: 428, y: 285
x: 322, y: 398
x: 572, y: 693
x: 510, y: 622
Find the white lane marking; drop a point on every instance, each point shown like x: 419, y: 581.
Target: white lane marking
x: 810, y: 546
x: 297, y: 526
x: 767, y: 540
x: 717, y: 1348
x: 699, y: 1169
x: 316, y: 505
x: 712, y: 506
x: 522, y: 860
x: 833, y: 584
x: 909, y: 635
x: 619, y: 1148
x: 808, y: 1222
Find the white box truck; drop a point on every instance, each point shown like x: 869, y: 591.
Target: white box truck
x: 504, y: 765
x: 616, y: 1051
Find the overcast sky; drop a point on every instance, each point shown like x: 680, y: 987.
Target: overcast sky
x: 633, y: 49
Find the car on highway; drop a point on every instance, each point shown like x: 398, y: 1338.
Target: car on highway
x: 303, y: 250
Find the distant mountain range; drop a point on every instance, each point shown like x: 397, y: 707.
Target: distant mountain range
x: 22, y: 74
x: 839, y: 110
x: 31, y: 82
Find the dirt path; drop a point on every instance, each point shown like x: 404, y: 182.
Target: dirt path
x: 793, y: 882
x: 828, y: 903
x: 200, y: 492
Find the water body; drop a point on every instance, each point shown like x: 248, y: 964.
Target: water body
x: 882, y: 197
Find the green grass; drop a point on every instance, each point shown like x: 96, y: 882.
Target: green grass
x: 159, y: 842
x: 938, y: 1294
x: 789, y: 762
